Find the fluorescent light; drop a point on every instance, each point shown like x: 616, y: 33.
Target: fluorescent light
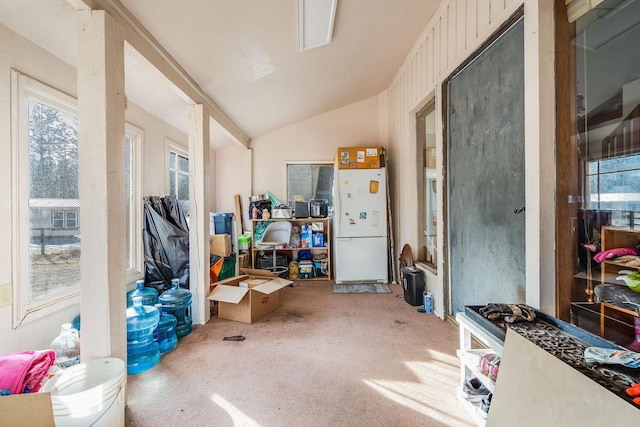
x: 315, y: 22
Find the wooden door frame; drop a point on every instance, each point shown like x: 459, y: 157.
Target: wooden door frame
x: 567, y: 186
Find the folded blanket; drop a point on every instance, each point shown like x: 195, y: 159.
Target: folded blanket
x: 24, y: 372
x: 614, y: 253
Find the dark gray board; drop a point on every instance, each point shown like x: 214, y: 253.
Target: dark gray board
x: 485, y: 175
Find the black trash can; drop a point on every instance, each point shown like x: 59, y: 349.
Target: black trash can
x: 413, y: 285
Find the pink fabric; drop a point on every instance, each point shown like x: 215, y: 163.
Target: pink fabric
x: 614, y: 253
x: 24, y: 372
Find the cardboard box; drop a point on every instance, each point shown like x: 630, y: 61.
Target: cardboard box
x: 220, y: 244
x: 248, y: 297
x: 30, y: 409
x: 360, y: 158
x: 243, y: 260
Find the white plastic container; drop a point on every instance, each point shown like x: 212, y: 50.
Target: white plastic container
x: 91, y: 393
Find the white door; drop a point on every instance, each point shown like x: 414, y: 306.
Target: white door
x: 361, y: 259
x: 360, y: 200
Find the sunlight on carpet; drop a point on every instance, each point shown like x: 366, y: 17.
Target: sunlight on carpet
x: 430, y: 390
x: 361, y: 288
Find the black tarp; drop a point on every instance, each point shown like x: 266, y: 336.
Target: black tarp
x: 165, y: 236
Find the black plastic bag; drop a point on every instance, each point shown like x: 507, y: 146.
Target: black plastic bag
x: 166, y: 243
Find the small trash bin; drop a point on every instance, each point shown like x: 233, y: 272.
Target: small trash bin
x: 413, y: 285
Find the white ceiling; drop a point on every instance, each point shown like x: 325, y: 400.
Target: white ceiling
x: 245, y: 54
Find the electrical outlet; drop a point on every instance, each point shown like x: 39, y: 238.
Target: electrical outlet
x: 6, y: 294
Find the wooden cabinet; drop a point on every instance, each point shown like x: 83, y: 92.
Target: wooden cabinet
x: 316, y: 251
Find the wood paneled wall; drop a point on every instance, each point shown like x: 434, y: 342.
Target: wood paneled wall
x: 458, y: 28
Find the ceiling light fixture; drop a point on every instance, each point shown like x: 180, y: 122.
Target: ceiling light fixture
x: 315, y: 22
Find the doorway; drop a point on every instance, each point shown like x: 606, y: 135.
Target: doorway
x: 485, y: 178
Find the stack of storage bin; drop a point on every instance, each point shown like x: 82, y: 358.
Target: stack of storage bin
x: 221, y: 226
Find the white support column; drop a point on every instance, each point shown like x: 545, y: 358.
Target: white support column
x: 102, y: 199
x: 199, y: 149
x: 539, y: 100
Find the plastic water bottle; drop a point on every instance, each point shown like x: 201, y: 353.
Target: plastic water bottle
x: 428, y: 302
x: 177, y: 302
x: 67, y: 346
x: 165, y: 334
x: 149, y: 295
x: 142, y: 350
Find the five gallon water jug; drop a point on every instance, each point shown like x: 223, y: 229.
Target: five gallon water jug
x: 67, y: 346
x: 177, y: 301
x: 165, y: 334
x: 149, y: 295
x: 142, y: 351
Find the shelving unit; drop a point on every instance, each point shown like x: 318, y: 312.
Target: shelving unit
x: 289, y: 251
x: 615, y: 237
x: 469, y: 356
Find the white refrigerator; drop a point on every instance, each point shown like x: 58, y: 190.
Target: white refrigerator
x: 360, y: 225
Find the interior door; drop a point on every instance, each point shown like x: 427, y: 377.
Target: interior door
x: 485, y: 176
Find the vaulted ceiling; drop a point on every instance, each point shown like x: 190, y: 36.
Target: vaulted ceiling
x: 244, y: 54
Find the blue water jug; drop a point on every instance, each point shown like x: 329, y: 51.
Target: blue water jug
x: 177, y: 302
x: 165, y: 334
x: 142, y: 351
x: 149, y: 295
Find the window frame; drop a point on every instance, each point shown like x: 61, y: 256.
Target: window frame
x: 57, y: 217
x: 311, y: 164
x: 179, y: 151
x: 420, y: 116
x: 25, y: 311
x: 67, y: 219
x: 135, y: 267
x: 24, y: 88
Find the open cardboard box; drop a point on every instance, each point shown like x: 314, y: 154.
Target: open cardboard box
x: 248, y: 297
x: 29, y: 409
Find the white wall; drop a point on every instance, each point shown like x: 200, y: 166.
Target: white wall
x: 458, y: 28
x: 17, y: 52
x: 263, y: 167
x: 232, y: 171
x: 315, y: 139
x: 156, y: 132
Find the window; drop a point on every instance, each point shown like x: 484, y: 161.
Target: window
x: 603, y: 192
x: 57, y: 219
x: 428, y: 205
x: 309, y: 181
x: 71, y: 219
x: 45, y: 236
x: 178, y: 173
x: 46, y: 229
x: 64, y: 219
x: 133, y: 141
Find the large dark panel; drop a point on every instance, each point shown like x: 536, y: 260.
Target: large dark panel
x: 485, y: 176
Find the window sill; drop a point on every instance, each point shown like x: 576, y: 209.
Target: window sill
x: 427, y: 266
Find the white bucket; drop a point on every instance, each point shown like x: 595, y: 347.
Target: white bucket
x: 89, y: 394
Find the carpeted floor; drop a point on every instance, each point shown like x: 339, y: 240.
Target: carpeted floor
x: 321, y: 359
